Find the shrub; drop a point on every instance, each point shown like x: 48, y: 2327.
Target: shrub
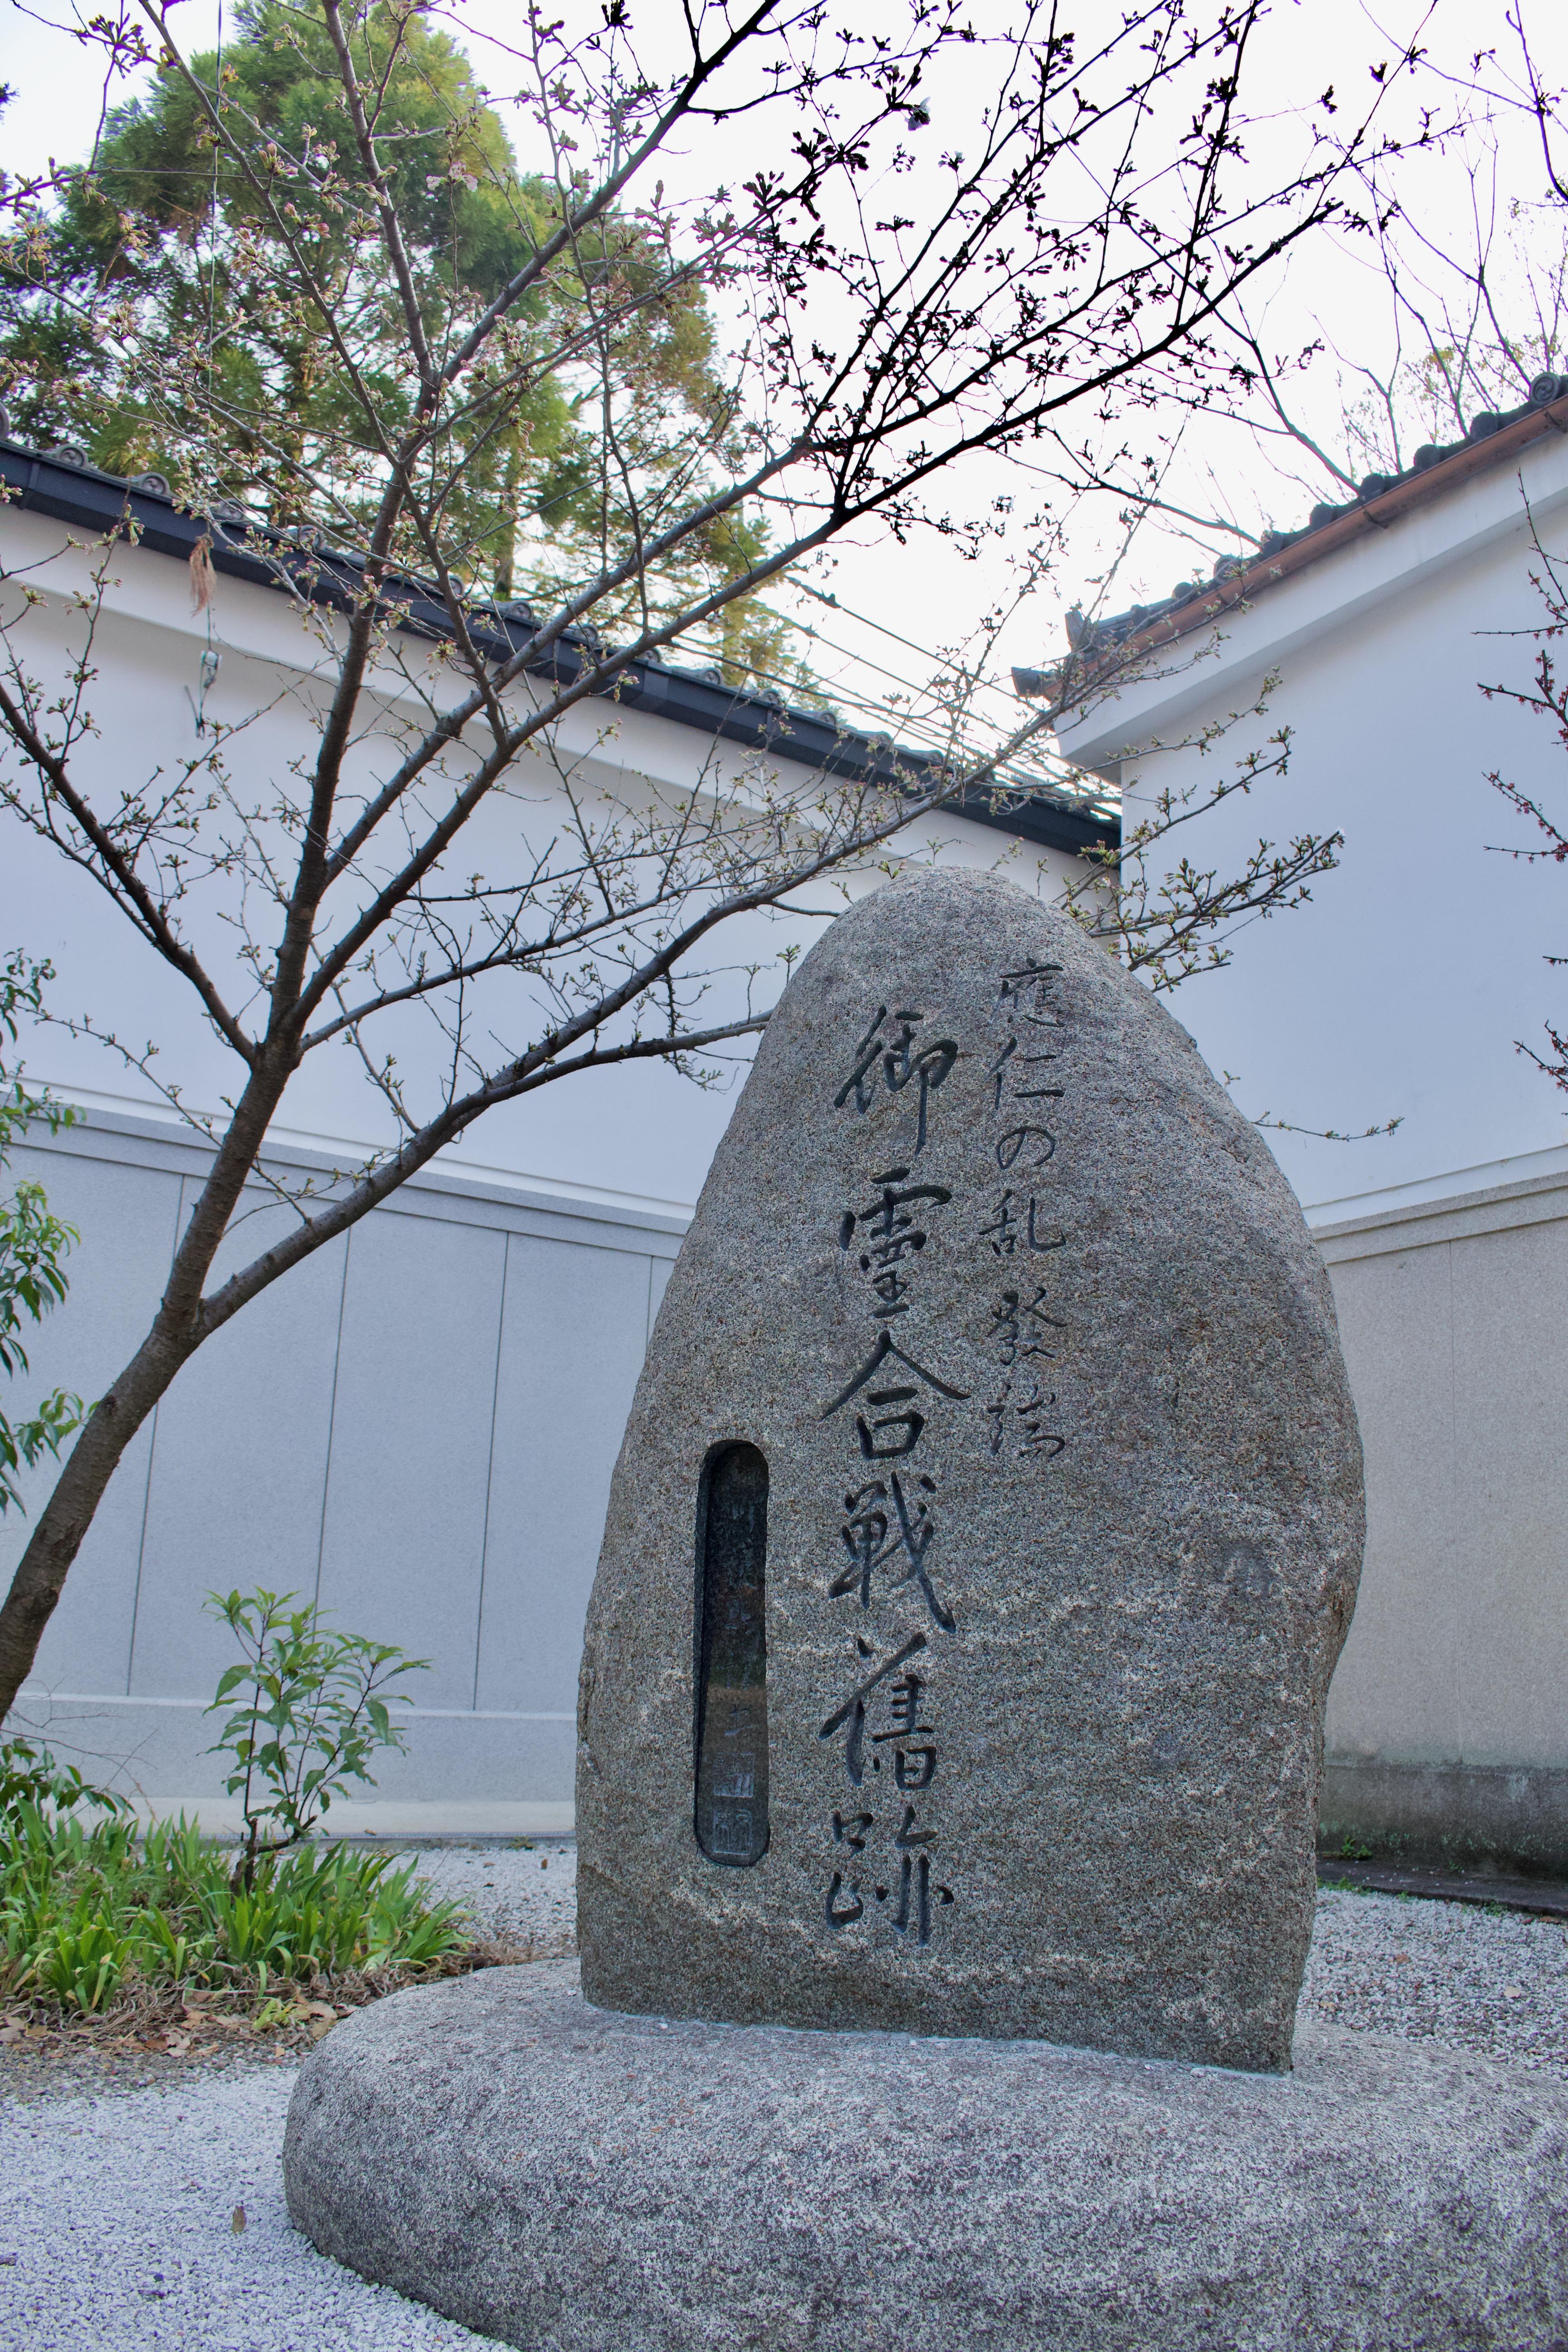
x: 90, y: 1906
x: 316, y: 1708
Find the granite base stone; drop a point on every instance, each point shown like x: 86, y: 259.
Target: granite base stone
x: 571, y: 2180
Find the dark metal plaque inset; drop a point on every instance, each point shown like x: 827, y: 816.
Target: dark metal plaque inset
x: 731, y: 1808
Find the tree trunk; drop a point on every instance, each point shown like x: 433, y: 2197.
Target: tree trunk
x: 68, y: 1513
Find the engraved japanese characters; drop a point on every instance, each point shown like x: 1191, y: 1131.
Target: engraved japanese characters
x: 985, y: 1531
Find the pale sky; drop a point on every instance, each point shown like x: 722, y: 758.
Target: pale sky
x: 927, y: 594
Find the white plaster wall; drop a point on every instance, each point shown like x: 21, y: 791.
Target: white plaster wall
x: 643, y: 1133
x: 418, y: 1424
x: 1399, y: 993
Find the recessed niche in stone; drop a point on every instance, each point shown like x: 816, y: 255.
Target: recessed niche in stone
x: 732, y: 1725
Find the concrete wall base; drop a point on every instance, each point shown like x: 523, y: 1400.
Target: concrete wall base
x: 1511, y: 1819
x: 157, y: 1752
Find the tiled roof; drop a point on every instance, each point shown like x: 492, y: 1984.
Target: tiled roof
x: 64, y: 483
x: 1099, y: 648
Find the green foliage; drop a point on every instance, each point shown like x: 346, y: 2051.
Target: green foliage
x: 30, y: 1776
x: 163, y: 317
x: 317, y: 1707
x: 91, y: 1907
x: 34, y: 1243
x: 81, y: 1959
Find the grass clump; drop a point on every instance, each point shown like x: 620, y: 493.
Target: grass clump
x: 94, y: 1908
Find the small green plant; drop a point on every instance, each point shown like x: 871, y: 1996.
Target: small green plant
x: 82, y: 1959
x: 34, y: 1244
x: 317, y: 1707
x: 92, y: 1909
x: 1352, y: 1850
x: 30, y: 1776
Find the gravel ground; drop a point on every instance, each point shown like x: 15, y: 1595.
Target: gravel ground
x: 118, y: 2206
x: 1496, y: 1982
x: 519, y: 1894
x: 118, y: 2218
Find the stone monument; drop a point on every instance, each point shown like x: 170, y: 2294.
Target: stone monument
x: 987, y: 1529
